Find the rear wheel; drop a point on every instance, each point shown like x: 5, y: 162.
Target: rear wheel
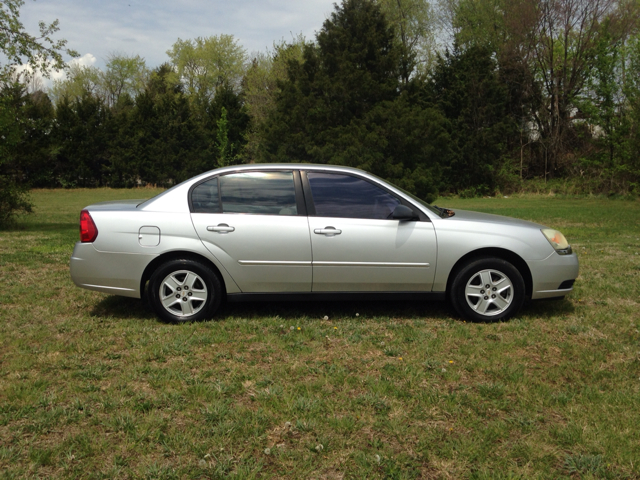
x: 487, y: 289
x: 184, y: 291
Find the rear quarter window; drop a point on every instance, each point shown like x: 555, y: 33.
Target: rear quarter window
x: 205, y: 198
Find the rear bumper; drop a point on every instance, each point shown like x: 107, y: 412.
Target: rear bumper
x: 106, y: 272
x: 550, y: 274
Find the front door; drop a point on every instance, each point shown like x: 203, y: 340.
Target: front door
x: 356, y: 245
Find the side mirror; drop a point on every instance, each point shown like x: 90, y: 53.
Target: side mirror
x: 402, y: 212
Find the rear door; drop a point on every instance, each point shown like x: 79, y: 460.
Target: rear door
x: 255, y: 224
x: 356, y: 244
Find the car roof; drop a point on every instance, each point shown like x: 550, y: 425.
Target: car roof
x: 283, y: 166
x: 175, y: 198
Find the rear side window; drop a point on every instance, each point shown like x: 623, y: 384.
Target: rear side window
x: 204, y: 198
x: 337, y: 195
x: 266, y: 193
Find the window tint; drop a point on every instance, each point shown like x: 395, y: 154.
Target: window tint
x: 336, y: 195
x: 204, y: 198
x: 267, y: 193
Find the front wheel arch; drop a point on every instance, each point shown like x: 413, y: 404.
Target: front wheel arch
x: 513, y: 258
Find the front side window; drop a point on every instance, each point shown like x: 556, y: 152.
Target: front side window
x: 265, y: 193
x: 345, y: 196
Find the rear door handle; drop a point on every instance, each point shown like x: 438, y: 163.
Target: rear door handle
x: 328, y: 231
x: 221, y: 228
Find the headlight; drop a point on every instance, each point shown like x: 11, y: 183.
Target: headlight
x: 557, y: 241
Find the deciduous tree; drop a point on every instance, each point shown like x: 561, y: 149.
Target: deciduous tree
x: 41, y: 54
x: 414, y: 25
x: 563, y: 50
x: 124, y: 75
x: 80, y: 80
x: 260, y: 88
x: 206, y: 63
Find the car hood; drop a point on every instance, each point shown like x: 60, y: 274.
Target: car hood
x: 469, y: 216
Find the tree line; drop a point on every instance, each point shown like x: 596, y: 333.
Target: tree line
x: 522, y: 94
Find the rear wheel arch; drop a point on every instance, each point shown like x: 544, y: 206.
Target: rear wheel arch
x: 179, y: 255
x: 507, y: 255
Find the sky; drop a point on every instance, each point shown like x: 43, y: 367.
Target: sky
x: 96, y: 28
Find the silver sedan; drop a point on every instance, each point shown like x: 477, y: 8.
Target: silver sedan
x: 313, y: 232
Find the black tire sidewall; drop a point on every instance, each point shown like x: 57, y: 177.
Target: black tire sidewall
x: 457, y: 296
x: 208, y: 276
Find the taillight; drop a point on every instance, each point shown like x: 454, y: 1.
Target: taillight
x: 88, y: 229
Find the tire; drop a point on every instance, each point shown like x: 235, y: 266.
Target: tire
x: 502, y: 300
x: 184, y: 291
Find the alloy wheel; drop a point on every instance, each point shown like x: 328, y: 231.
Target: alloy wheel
x: 183, y: 293
x: 489, y: 292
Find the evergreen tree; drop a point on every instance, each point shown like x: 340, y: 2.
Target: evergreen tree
x: 226, y: 125
x: 353, y: 69
x: 80, y: 138
x: 632, y: 93
x: 41, y: 53
x: 159, y: 140
x: 467, y: 89
x: 222, y: 140
x: 343, y: 104
x: 13, y: 188
x: 34, y: 155
x: 608, y: 119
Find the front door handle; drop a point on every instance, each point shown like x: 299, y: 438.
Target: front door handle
x: 328, y: 231
x: 221, y: 228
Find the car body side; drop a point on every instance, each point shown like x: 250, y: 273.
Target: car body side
x: 135, y: 237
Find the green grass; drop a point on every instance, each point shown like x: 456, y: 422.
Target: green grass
x: 93, y: 386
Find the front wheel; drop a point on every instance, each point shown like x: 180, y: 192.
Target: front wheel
x: 487, y: 289
x: 184, y: 291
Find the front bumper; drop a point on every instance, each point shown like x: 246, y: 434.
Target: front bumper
x: 549, y: 274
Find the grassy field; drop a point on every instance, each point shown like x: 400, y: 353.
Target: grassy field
x: 93, y: 386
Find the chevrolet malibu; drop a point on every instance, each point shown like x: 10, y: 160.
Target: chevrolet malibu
x: 313, y: 232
